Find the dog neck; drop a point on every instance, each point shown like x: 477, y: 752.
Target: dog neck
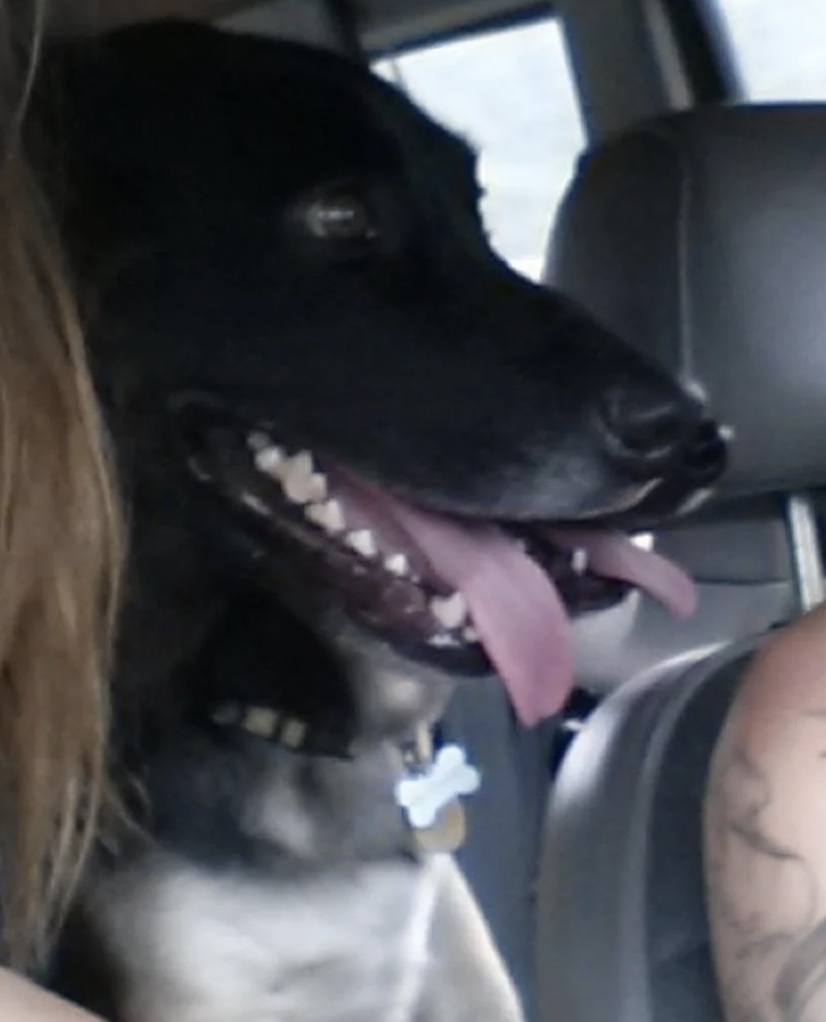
x: 389, y: 708
x: 394, y: 704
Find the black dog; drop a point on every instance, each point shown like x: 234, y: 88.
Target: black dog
x: 349, y: 435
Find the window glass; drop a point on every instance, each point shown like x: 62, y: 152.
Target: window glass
x: 780, y: 47
x: 510, y: 93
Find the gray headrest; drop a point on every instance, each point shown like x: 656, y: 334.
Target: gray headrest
x: 701, y: 237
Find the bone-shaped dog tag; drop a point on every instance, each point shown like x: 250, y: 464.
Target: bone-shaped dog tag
x: 430, y: 800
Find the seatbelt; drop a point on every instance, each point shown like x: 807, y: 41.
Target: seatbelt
x: 807, y: 559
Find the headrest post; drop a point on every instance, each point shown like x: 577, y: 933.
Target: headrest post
x: 807, y: 562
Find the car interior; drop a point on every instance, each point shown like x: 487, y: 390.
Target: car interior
x: 685, y: 211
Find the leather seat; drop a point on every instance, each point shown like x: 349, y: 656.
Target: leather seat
x: 702, y: 237
x: 628, y: 936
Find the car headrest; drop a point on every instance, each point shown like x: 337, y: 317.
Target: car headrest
x: 701, y: 237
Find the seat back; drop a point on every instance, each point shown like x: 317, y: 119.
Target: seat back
x: 624, y: 926
x: 701, y: 237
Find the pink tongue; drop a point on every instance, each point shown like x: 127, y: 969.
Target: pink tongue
x: 614, y: 555
x: 514, y: 607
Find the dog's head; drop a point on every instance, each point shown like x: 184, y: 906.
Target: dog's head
x: 356, y: 399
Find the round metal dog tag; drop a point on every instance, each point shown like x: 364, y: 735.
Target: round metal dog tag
x: 446, y: 833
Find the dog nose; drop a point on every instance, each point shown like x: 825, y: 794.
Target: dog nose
x: 646, y: 428
x: 706, y: 453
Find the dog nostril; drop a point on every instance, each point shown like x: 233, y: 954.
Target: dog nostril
x: 643, y: 425
x: 707, y: 453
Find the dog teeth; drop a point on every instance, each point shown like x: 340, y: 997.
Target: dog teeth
x: 328, y: 516
x: 335, y: 517
x: 397, y: 564
x: 301, y: 483
x: 579, y: 561
x: 441, y: 640
x: 269, y: 459
x: 363, y: 542
x: 451, y: 611
x: 302, y: 463
x: 313, y: 488
x: 319, y: 485
x: 260, y: 720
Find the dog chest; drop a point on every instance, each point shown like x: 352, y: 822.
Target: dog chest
x: 348, y: 946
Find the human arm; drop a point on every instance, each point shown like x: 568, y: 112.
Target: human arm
x: 21, y: 1001
x: 765, y: 835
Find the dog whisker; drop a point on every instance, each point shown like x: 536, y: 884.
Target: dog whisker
x: 199, y: 471
x: 254, y: 503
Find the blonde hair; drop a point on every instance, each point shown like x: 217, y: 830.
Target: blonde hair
x: 60, y: 547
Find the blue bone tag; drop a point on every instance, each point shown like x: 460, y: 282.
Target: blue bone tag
x: 425, y: 794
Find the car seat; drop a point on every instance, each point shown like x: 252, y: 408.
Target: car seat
x: 701, y: 236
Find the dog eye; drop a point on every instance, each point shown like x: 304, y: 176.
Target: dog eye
x: 343, y: 216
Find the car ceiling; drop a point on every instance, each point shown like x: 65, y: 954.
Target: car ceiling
x: 386, y: 25
x: 379, y: 24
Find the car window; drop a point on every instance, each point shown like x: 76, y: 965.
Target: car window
x: 780, y: 47
x: 511, y: 94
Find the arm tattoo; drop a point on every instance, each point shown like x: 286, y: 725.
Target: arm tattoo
x: 776, y: 967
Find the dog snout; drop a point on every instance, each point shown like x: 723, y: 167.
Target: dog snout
x: 645, y: 428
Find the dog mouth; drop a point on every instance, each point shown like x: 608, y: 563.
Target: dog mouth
x: 465, y: 595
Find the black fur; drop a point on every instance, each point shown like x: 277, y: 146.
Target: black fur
x: 415, y: 357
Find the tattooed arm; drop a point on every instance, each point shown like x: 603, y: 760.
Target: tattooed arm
x: 765, y: 835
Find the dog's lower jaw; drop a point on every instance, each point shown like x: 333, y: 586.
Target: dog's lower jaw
x: 392, y: 695
x: 392, y: 705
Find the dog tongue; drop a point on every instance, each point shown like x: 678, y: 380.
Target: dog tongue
x: 614, y: 555
x: 514, y: 607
